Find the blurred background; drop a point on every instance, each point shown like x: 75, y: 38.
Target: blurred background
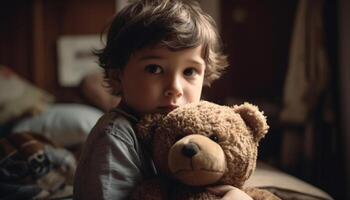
x: 291, y: 58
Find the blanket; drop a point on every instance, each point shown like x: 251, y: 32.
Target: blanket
x: 32, y: 167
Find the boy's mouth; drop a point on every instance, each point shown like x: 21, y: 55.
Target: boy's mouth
x: 167, y: 109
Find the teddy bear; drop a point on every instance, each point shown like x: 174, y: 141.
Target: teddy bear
x: 201, y: 144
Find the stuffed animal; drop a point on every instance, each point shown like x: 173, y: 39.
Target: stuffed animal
x: 199, y: 145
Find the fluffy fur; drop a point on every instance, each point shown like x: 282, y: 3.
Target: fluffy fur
x: 201, y: 144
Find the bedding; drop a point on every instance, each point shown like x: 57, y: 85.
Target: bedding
x: 36, y: 157
x: 65, y: 124
x: 285, y: 186
x: 32, y: 167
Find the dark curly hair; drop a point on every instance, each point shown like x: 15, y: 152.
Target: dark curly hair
x: 176, y: 24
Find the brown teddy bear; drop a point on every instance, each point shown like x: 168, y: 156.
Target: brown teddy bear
x: 202, y: 144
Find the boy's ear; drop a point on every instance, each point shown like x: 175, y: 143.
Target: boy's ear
x: 147, y: 126
x: 254, y: 119
x: 113, y: 76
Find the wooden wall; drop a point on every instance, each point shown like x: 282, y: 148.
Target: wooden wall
x: 30, y: 29
x: 256, y: 36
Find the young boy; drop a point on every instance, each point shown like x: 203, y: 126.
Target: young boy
x: 158, y: 55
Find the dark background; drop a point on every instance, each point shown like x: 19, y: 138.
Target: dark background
x: 256, y: 36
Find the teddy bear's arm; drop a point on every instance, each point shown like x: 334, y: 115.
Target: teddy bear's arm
x: 153, y: 189
x: 260, y: 194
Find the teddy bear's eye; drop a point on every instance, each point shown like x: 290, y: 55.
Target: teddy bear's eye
x: 214, y: 137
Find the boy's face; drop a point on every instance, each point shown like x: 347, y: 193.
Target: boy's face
x: 157, y: 80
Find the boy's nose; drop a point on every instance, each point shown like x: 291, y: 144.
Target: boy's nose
x: 174, y: 88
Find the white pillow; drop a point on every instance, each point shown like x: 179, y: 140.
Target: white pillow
x: 64, y: 124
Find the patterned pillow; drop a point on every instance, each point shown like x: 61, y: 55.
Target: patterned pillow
x: 18, y: 97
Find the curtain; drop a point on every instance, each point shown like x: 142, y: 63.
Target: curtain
x: 308, y: 115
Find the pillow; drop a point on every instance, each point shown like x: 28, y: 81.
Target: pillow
x: 19, y: 97
x: 284, y: 185
x: 64, y: 124
x: 97, y: 94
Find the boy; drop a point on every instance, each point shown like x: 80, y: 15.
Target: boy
x: 158, y: 55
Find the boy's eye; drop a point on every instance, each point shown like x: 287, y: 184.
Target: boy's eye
x: 154, y: 69
x: 189, y: 72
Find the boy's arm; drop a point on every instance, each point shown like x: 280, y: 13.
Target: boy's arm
x: 229, y: 192
x: 111, y: 171
x: 153, y: 189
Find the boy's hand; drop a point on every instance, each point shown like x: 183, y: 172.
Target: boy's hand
x: 229, y: 192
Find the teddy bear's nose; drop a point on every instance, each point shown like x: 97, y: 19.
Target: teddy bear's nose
x: 189, y: 150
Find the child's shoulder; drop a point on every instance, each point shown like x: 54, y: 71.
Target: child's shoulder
x: 116, y: 124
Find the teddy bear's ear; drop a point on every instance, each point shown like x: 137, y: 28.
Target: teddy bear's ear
x: 253, y: 118
x: 146, y: 127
